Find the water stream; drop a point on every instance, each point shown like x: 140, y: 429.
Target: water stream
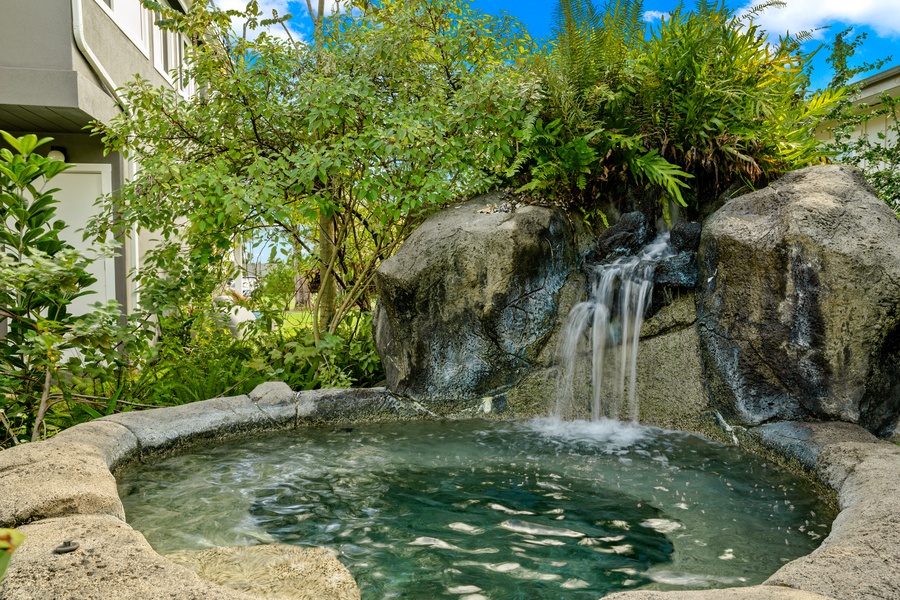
x: 606, y: 327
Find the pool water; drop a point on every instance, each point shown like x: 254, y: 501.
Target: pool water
x: 484, y: 509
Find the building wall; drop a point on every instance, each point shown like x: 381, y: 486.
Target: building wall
x: 871, y: 89
x: 119, y: 52
x: 48, y: 88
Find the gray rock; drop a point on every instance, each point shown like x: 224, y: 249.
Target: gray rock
x: 274, y: 571
x: 167, y: 427
x: 468, y: 301
x: 757, y: 592
x: 49, y: 479
x: 858, y: 560
x: 114, y: 442
x: 112, y: 561
x: 270, y: 392
x: 685, y: 236
x: 679, y: 271
x: 804, y: 441
x: 800, y: 302
x: 628, y: 235
x: 669, y: 374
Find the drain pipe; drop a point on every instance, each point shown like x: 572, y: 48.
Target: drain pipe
x: 93, y: 61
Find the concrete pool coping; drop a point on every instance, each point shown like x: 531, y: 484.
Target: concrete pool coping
x: 63, y: 489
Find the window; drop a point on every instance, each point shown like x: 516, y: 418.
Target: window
x: 169, y: 53
x: 132, y: 18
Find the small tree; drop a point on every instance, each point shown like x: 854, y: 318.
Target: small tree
x: 399, y: 108
x: 46, y: 348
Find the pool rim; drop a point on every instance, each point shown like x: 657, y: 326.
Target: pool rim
x: 68, y: 480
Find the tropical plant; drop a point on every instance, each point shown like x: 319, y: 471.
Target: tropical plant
x: 687, y: 108
x: 10, y: 539
x: 47, y: 351
x: 879, y: 156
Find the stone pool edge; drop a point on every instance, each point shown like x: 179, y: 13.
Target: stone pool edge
x: 63, y: 489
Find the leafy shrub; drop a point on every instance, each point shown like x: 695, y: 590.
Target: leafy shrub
x: 47, y: 352
x: 344, y: 359
x: 877, y: 156
x: 702, y: 102
x: 196, y: 358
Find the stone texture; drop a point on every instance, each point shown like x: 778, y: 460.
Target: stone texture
x: 113, y: 441
x: 48, y: 479
x: 625, y: 237
x: 164, y: 428
x: 274, y: 571
x: 273, y: 392
x: 757, y: 592
x: 800, y: 302
x: 858, y: 560
x: 535, y: 394
x: 669, y: 373
x: 113, y: 561
x: 804, y: 441
x: 679, y: 271
x: 679, y: 313
x: 468, y: 301
x: 670, y: 381
x: 685, y: 236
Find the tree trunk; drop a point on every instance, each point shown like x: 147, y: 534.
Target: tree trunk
x: 327, y: 301
x: 327, y: 292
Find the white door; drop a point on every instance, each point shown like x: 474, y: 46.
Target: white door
x: 80, y: 186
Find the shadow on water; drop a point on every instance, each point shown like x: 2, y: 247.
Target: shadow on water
x: 512, y: 531
x: 479, y: 509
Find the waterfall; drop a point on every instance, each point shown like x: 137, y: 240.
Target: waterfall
x: 606, y: 328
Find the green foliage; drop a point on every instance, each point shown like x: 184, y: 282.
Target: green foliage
x: 10, y: 539
x: 47, y: 352
x: 332, y: 145
x: 688, y: 108
x: 877, y: 156
x: 277, y: 288
x: 196, y: 358
x: 344, y: 359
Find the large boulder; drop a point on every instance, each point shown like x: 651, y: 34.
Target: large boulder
x: 800, y: 302
x: 467, y: 303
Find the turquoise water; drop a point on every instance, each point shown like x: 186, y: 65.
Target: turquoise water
x: 499, y: 510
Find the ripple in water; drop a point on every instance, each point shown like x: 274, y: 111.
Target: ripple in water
x: 538, y: 509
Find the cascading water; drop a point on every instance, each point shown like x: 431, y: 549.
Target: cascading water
x: 607, y: 327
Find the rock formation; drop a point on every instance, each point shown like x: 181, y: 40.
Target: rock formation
x: 468, y: 302
x: 800, y: 302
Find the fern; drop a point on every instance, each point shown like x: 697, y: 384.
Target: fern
x: 700, y: 102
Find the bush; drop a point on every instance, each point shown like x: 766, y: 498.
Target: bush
x: 48, y: 354
x: 700, y: 103
x: 347, y: 358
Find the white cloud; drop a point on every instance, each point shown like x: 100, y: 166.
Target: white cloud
x: 883, y: 16
x: 297, y: 8
x: 654, y: 15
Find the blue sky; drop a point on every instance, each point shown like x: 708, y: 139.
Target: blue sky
x: 880, y: 19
